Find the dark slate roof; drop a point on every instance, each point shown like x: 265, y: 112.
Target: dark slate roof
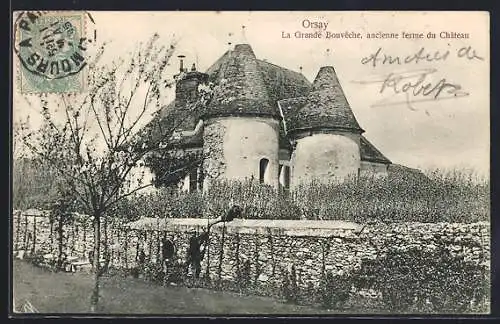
x: 290, y: 107
x: 326, y: 106
x: 283, y: 83
x: 161, y: 126
x: 240, y: 88
x: 247, y: 85
x: 370, y: 153
x: 157, y: 128
x: 274, y: 83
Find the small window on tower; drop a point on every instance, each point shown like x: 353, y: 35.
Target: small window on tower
x: 263, y: 170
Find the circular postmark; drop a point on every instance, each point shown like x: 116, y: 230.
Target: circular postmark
x: 49, y: 45
x: 51, y: 50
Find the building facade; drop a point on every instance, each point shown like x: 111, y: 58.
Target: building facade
x: 264, y: 122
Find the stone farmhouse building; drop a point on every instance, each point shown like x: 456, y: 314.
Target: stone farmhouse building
x: 268, y: 123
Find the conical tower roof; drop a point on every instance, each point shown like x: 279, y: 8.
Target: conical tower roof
x: 240, y: 88
x: 326, y: 106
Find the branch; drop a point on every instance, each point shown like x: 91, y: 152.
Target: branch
x: 127, y: 132
x: 137, y: 158
x: 99, y: 122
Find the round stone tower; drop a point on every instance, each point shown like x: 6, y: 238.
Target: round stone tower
x: 241, y: 125
x: 325, y: 134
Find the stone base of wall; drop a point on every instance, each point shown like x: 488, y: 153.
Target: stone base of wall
x: 261, y: 252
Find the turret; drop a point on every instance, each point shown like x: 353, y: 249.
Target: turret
x: 325, y: 134
x: 241, y: 125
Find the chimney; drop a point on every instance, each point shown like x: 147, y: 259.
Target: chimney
x: 186, y: 94
x: 181, y: 63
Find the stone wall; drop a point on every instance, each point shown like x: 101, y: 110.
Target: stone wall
x: 265, y: 249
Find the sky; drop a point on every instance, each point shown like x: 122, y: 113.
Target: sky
x: 449, y: 133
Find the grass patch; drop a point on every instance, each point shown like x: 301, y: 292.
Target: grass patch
x: 51, y: 292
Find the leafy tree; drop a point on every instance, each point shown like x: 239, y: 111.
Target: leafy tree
x: 95, y: 141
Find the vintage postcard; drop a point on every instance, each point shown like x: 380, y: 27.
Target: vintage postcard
x: 250, y: 163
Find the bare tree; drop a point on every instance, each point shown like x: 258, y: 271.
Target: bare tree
x: 95, y: 140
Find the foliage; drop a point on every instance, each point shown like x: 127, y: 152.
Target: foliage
x: 289, y: 288
x: 334, y: 290
x: 164, y: 202
x: 257, y: 201
x: 89, y: 139
x: 61, y: 214
x: 172, y: 166
x: 33, y: 183
x: 36, y: 258
x: 454, y: 196
x: 425, y: 280
x: 153, y: 271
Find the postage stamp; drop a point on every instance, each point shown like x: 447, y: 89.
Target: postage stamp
x: 50, y: 47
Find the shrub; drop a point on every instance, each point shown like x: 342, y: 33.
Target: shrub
x: 289, y: 288
x: 153, y: 271
x: 454, y: 196
x: 36, y: 258
x: 419, y: 280
x: 243, y: 276
x: 334, y: 290
x: 134, y: 272
x: 258, y: 201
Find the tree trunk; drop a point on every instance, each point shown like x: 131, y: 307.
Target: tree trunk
x: 126, y: 249
x: 106, y: 244
x: 94, y: 300
x: 25, y: 247
x: 33, y: 247
x: 60, y: 243
x: 18, y: 230
x: 51, y: 235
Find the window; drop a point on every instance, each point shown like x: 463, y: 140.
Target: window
x: 284, y: 177
x: 263, y: 169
